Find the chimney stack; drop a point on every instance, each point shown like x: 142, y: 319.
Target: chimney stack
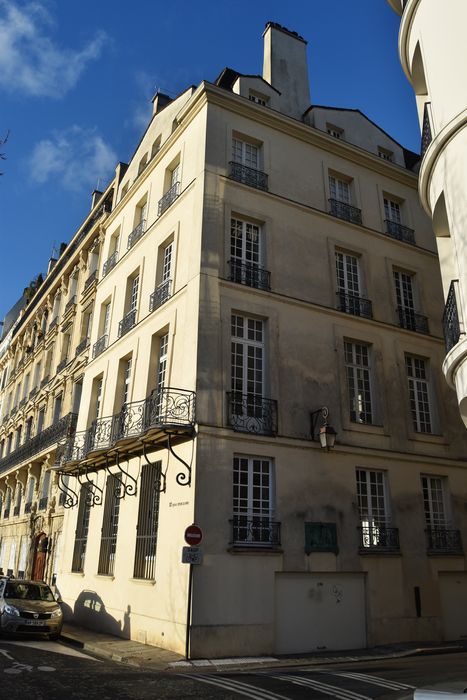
x: 285, y: 68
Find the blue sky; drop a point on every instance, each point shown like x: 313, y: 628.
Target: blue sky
x: 77, y: 77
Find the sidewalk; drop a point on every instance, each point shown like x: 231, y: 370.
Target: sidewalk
x: 156, y: 659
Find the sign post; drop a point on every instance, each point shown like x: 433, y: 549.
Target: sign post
x: 191, y: 555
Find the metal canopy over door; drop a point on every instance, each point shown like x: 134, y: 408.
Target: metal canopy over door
x: 453, y: 593
x: 316, y: 612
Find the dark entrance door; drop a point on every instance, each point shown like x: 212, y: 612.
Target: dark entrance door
x: 40, y: 554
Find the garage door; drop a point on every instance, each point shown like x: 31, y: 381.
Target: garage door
x: 319, y: 611
x: 453, y: 590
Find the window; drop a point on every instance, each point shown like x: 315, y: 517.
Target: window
x: 45, y: 491
x: 6, y: 512
x: 28, y: 429
x: 19, y: 498
x: 419, y: 393
x: 134, y: 287
x: 23, y: 556
x: 339, y: 189
x: 171, y: 187
x: 258, y: 98
x: 105, y: 319
x: 434, y: 501
x: 253, y: 499
x: 18, y: 437
x: 97, y: 397
x: 131, y: 304
x: 57, y: 408
x: 40, y: 420
x: 385, y: 154
x: 124, y: 189
x: 245, y: 153
x: 404, y: 284
x: 247, y: 354
x: 29, y: 494
x: 155, y: 146
x: 26, y: 385
x: 126, y: 380
x: 82, y: 529
x: 109, y: 530
x: 348, y: 280
x: 246, y: 254
x: 148, y: 519
x: 335, y: 131
x: 373, y: 509
x: 392, y: 210
x: 358, y: 371
x: 245, y: 164
x: 162, y: 364
x: 142, y: 164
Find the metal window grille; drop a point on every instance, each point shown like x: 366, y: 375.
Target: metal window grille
x: 358, y: 370
x: 148, y: 519
x: 419, y: 393
x: 110, y: 526
x: 82, y: 529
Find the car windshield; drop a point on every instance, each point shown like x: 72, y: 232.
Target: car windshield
x: 28, y: 591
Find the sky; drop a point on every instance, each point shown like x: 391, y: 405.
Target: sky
x: 77, y: 78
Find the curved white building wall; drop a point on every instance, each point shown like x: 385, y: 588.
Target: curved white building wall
x: 433, y: 54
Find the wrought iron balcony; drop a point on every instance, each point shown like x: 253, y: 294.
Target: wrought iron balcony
x: 400, y: 232
x: 43, y: 503
x: 22, y: 402
x: 412, y: 321
x: 82, y: 346
x: 353, y: 304
x: 167, y: 408
x: 255, y: 531
x: 16, y: 511
x: 53, y: 323
x: 168, y: 199
x: 136, y: 234
x: 61, y: 365
x: 110, y: 263
x: 248, y: 176
x: 70, y: 304
x: 127, y: 323
x: 33, y: 392
x: 440, y: 540
x: 90, y: 280
x: 379, y: 538
x: 62, y: 429
x: 27, y: 507
x: 249, y: 274
x: 45, y: 380
x: 250, y: 413
x: 451, y: 324
x: 99, y: 346
x: 160, y: 295
x: 345, y: 211
x: 426, y: 130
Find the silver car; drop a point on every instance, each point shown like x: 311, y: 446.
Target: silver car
x: 29, y: 607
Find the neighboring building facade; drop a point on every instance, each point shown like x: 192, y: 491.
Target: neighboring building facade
x: 434, y: 62
x: 262, y: 259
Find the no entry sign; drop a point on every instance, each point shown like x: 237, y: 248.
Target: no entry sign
x: 193, y: 535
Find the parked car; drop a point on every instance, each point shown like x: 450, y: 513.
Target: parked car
x: 29, y: 607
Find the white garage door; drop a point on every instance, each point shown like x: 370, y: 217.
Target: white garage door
x: 319, y: 611
x: 453, y: 591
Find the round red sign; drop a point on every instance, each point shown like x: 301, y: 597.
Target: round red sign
x: 193, y: 535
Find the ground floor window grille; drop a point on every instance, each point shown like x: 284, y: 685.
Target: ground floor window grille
x: 148, y: 520
x: 82, y: 529
x: 110, y: 526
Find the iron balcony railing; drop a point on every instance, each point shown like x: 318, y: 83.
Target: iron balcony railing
x: 136, y: 234
x: 412, y: 321
x: 400, y: 232
x: 45, y: 380
x: 43, y: 503
x: 441, y: 540
x: 22, y: 402
x: 61, y: 365
x: 345, y: 211
x: 70, y: 304
x: 250, y: 274
x: 248, y: 176
x: 165, y: 408
x: 27, y: 507
x: 250, y: 413
x: 60, y: 430
x: 127, y: 323
x: 160, y: 295
x: 99, y: 346
x: 33, y: 392
x: 426, y: 130
x: 255, y: 531
x: 110, y: 263
x: 451, y: 322
x: 82, y: 346
x: 353, y: 304
x: 92, y: 278
x: 168, y: 199
x: 379, y: 538
x: 53, y: 323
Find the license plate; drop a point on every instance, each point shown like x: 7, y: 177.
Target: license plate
x: 35, y: 623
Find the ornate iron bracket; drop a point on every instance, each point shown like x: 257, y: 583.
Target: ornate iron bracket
x: 71, y: 497
x: 161, y: 482
x: 125, y: 489
x: 92, y: 498
x: 182, y: 479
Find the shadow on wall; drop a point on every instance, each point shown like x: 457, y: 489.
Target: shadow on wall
x: 89, y: 611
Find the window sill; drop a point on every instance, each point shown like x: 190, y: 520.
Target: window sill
x: 371, y: 428
x: 365, y: 551
x: 109, y: 577
x: 77, y: 573
x: 254, y: 549
x: 430, y: 438
x: 443, y: 553
x: 143, y: 581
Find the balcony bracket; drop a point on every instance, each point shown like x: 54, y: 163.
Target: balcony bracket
x: 126, y: 488
x: 94, y: 493
x: 182, y: 479
x: 71, y: 497
x: 162, y: 480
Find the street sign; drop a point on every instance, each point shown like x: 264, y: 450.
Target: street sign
x: 193, y: 535
x: 192, y: 555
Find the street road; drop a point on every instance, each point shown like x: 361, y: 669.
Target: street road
x: 43, y: 670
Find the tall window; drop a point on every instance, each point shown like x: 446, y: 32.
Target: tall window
x: 419, y: 393
x: 434, y: 501
x: 245, y: 153
x: 134, y: 293
x: 40, y: 420
x: 29, y: 494
x: 253, y: 499
x: 246, y: 253
x: 19, y: 498
x: 57, y: 408
x: 404, y: 286
x: 392, y: 210
x: 98, y: 397
x: 148, y: 519
x: 339, y: 189
x: 45, y: 491
x: 110, y: 526
x: 82, y: 529
x: 358, y: 370
x: 162, y: 364
x: 373, y: 506
x: 126, y: 380
x: 105, y: 319
x: 167, y: 263
x: 348, y: 280
x: 28, y: 429
x: 247, y: 356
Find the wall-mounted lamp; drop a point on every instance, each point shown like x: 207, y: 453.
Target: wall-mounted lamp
x: 326, y: 433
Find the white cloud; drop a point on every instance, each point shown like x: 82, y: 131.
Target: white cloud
x: 30, y: 61
x: 75, y: 157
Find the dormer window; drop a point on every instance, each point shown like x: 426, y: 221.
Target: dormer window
x: 335, y: 131
x: 385, y: 154
x: 258, y: 98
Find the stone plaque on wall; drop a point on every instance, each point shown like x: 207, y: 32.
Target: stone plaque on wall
x: 321, y: 537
